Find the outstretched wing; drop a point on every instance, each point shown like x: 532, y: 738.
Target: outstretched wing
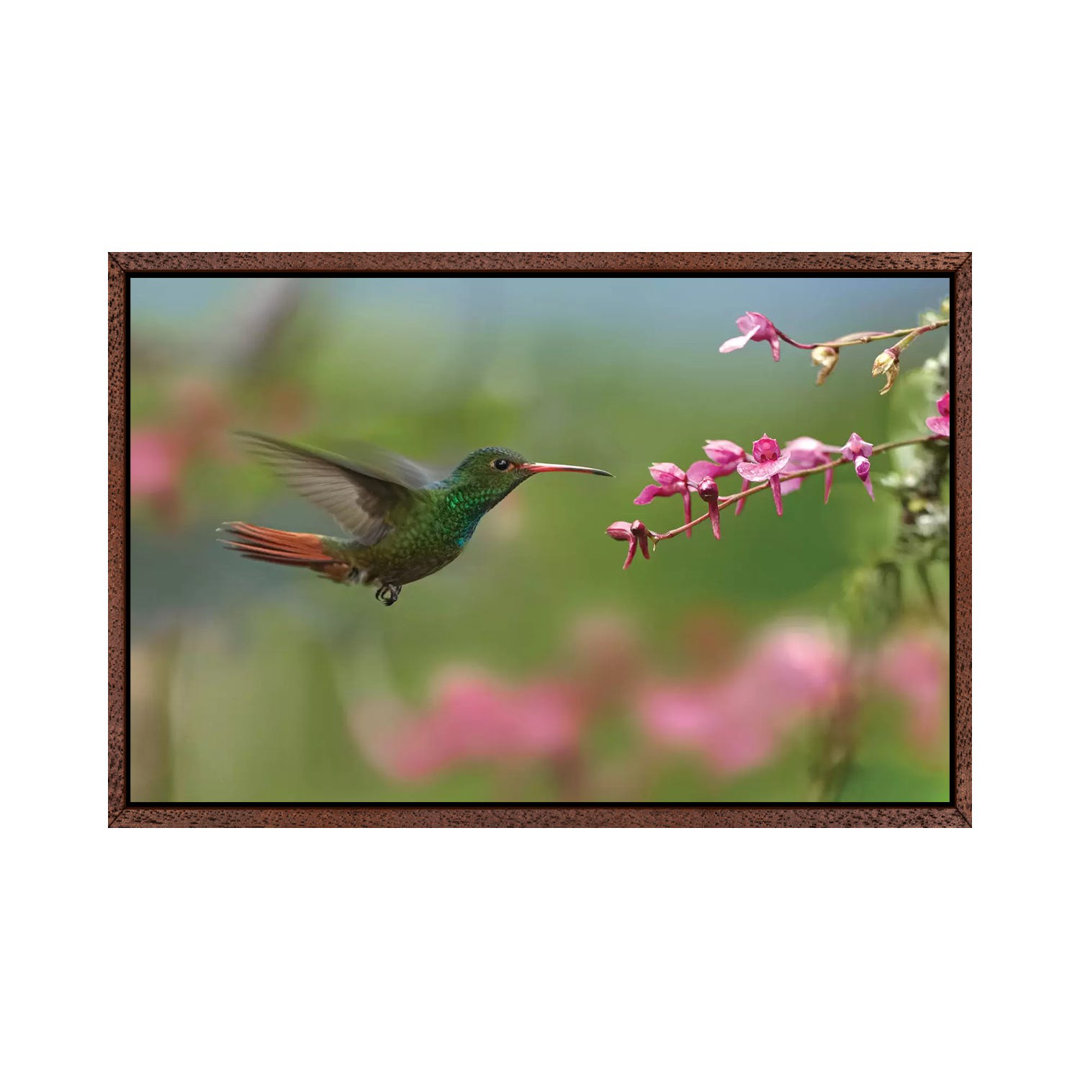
x: 361, y: 497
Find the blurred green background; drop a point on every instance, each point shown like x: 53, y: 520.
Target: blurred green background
x: 252, y: 682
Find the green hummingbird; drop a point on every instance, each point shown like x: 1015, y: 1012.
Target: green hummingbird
x: 403, y: 521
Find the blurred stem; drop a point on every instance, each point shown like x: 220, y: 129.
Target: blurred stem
x: 569, y: 771
x: 922, y: 568
x: 152, y: 773
x: 838, y: 747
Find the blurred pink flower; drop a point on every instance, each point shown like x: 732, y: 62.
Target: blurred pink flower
x: 769, y: 461
x: 680, y: 715
x: 754, y: 327
x: 475, y: 717
x: 939, y: 424
x: 738, y: 719
x: 859, y: 451
x: 155, y: 464
x: 634, y: 532
x: 915, y: 668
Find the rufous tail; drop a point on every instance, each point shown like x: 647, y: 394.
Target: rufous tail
x: 283, y: 548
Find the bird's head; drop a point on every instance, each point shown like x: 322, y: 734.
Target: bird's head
x: 497, y: 469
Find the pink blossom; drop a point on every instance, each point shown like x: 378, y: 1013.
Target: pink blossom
x: 738, y: 719
x: 635, y: 533
x: 754, y: 327
x: 679, y: 715
x: 808, y: 453
x: 859, y: 451
x: 670, y: 480
x: 728, y: 455
x: 915, y: 669
x: 725, y: 453
x: 939, y: 424
x: 155, y: 464
x: 769, y: 461
x: 474, y: 717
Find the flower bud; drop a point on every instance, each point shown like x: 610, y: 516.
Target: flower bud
x: 707, y: 488
x: 887, y: 364
x: 824, y: 357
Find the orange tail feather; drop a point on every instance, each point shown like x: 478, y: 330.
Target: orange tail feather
x: 284, y: 548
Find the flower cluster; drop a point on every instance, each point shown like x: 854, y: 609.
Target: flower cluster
x: 768, y: 466
x: 754, y: 326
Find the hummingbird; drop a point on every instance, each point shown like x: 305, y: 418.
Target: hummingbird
x: 403, y: 521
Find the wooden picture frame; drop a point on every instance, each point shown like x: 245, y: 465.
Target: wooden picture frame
x: 122, y: 266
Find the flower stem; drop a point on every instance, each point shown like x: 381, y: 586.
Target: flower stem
x: 866, y: 336
x: 657, y: 537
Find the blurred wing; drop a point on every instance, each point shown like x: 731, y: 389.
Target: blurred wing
x: 390, y: 466
x: 361, y: 497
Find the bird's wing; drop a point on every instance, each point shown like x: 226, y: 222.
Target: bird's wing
x: 360, y: 496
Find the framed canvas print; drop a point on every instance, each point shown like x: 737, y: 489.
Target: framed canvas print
x: 733, y: 588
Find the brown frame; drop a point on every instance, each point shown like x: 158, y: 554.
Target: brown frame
x: 957, y: 813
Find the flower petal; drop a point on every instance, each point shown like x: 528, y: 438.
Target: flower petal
x: 668, y: 475
x: 736, y: 342
x: 648, y: 493
x: 742, y: 502
x: 702, y: 470
x: 774, y: 483
x: 757, y: 471
x: 725, y: 453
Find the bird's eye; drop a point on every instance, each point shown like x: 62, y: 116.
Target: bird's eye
x: 501, y: 464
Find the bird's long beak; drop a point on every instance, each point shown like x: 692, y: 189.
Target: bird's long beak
x: 541, y: 466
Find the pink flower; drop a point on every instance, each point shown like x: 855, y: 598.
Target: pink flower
x: 635, y: 533
x: 725, y: 453
x: 769, y: 461
x: 738, y: 719
x: 728, y: 455
x: 670, y: 480
x: 474, y: 717
x: 939, y: 425
x: 155, y: 464
x: 754, y: 327
x: 807, y: 453
x: 915, y: 668
x: 679, y: 715
x: 858, y: 451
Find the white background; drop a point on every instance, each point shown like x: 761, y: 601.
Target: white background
x: 564, y: 126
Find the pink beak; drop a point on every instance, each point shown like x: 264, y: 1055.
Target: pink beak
x: 541, y: 466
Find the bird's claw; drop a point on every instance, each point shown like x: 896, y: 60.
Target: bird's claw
x: 387, y: 594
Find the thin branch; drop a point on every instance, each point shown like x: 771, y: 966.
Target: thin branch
x: 866, y: 337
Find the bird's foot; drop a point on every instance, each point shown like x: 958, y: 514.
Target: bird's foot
x: 387, y: 594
